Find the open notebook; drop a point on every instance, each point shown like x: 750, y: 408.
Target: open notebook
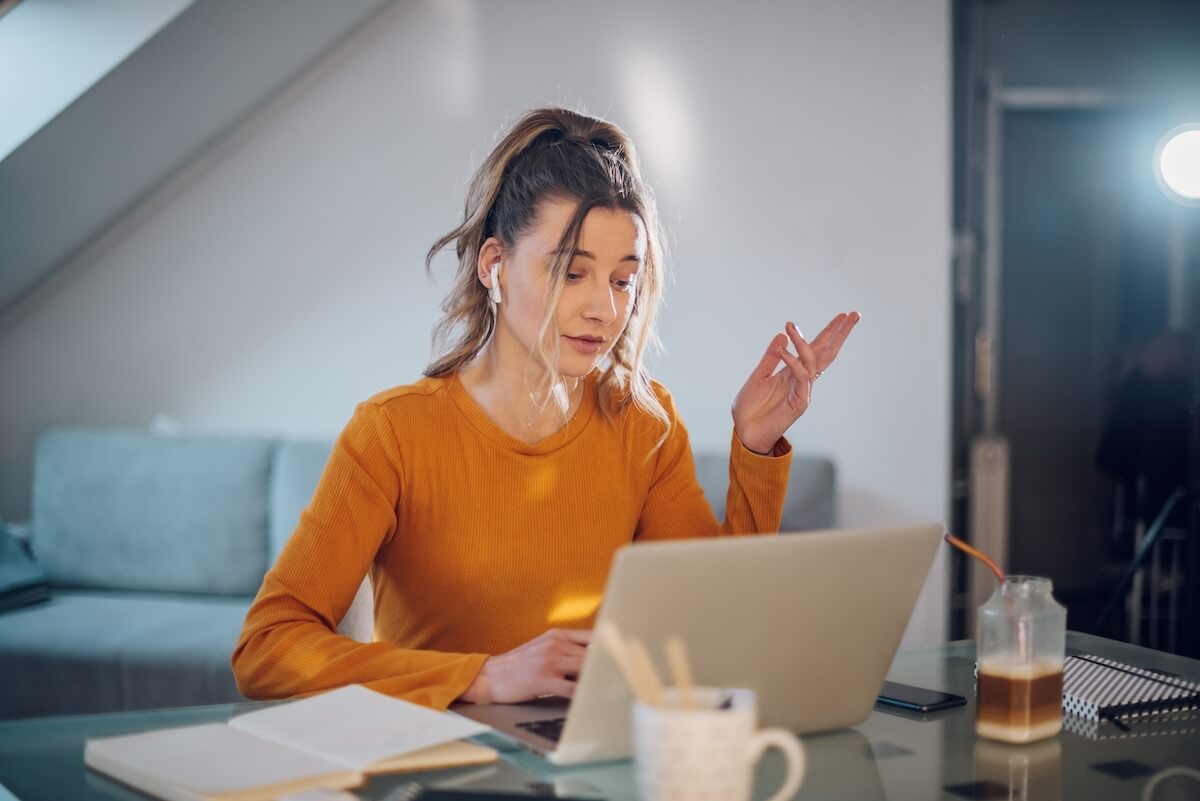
x: 332, y: 740
x: 1098, y: 690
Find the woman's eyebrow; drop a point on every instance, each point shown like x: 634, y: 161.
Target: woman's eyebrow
x: 589, y: 255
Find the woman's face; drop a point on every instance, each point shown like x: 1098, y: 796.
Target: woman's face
x: 599, y: 288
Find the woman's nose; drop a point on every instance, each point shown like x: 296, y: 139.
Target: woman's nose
x: 602, y: 305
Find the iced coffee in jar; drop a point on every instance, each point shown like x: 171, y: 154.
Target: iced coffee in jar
x: 1021, y: 642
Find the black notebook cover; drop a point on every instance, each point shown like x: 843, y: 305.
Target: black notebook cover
x: 1095, y: 689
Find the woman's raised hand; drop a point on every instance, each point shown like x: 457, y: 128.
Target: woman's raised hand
x: 771, y: 401
x: 546, y: 665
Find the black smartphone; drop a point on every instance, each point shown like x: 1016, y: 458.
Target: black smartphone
x: 471, y: 794
x: 918, y: 699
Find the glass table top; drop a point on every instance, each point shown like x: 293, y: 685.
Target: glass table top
x: 891, y: 755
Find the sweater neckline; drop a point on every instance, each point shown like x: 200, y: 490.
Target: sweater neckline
x: 483, y: 423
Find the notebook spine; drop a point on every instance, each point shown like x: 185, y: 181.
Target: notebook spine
x: 1156, y: 726
x: 1146, y: 709
x: 1082, y: 708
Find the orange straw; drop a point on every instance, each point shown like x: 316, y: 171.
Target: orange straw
x: 980, y: 555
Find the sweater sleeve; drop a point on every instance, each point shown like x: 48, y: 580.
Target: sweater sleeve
x: 676, y: 508
x: 289, y: 646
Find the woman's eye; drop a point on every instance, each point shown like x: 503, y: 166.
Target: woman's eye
x: 573, y: 277
x: 625, y: 283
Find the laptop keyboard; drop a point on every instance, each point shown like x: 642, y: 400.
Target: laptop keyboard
x: 550, y: 728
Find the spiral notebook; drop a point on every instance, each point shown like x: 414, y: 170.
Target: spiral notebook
x: 1096, y: 689
x: 1167, y: 724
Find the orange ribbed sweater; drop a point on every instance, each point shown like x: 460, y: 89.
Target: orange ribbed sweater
x: 475, y: 541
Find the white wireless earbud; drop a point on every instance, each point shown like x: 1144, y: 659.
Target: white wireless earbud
x: 496, y: 283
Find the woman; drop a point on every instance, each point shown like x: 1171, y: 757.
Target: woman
x: 487, y: 499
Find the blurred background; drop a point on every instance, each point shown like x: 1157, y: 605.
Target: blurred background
x: 215, y: 215
x: 1074, y: 292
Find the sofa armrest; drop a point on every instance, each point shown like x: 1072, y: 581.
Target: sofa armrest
x: 22, y: 533
x: 811, y: 501
x: 812, y: 494
x: 22, y: 579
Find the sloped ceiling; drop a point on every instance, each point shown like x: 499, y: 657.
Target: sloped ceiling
x: 52, y: 51
x: 192, y: 80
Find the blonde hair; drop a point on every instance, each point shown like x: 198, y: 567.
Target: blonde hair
x: 553, y: 153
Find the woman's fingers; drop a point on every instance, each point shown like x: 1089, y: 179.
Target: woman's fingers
x: 795, y: 366
x: 567, y: 664
x: 832, y: 337
x: 810, y: 358
x: 770, y: 360
x: 577, y: 636
x: 565, y: 661
x: 838, y: 338
x: 828, y: 332
x: 803, y: 350
x: 564, y: 656
x: 546, y: 664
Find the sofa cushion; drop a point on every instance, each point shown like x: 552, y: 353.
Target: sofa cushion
x: 133, y: 510
x: 811, y: 490
x: 295, y: 470
x: 97, y: 651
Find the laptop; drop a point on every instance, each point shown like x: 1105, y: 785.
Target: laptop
x: 809, y: 621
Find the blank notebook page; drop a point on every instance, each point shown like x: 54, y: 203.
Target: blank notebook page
x: 207, y: 760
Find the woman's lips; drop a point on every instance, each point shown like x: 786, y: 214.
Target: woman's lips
x: 588, y: 346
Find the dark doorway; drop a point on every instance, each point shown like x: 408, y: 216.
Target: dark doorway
x: 1073, y: 321
x: 1093, y: 399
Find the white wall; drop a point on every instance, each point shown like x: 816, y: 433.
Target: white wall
x: 800, y: 153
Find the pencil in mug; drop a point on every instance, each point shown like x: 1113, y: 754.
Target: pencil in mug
x: 649, y: 677
x: 611, y: 637
x: 681, y: 671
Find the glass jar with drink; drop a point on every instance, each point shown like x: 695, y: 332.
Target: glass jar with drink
x: 1021, y: 643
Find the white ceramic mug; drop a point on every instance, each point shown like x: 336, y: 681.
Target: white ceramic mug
x: 707, y: 753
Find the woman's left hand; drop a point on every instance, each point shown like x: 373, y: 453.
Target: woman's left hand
x: 770, y: 401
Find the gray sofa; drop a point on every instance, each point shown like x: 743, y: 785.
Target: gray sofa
x: 154, y: 547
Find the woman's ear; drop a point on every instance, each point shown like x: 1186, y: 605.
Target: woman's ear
x: 490, y: 253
